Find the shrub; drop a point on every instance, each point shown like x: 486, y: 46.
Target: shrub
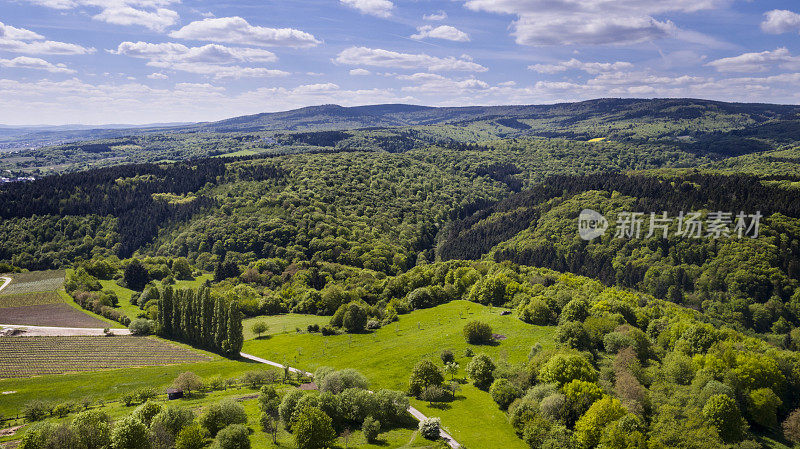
x: 763, y: 407
x: 312, y: 328
x: 721, y: 411
x: 221, y: 415
x: 146, y: 412
x: 288, y: 405
x: 373, y: 324
x: 563, y: 368
x: 391, y: 407
x: 190, y: 437
x: 327, y: 330
x: 429, y: 428
x: 791, y: 427
x: 536, y: 312
x: 554, y: 408
x: 504, y: 393
x: 142, y: 326
x: 129, y: 433
x: 36, y: 410
x: 93, y: 429
x: 355, y: 318
x: 424, y: 374
x: 371, y: 428
x: 434, y: 393
x: 468, y: 352
x: 338, y: 381
x: 173, y: 418
x: 255, y: 379
x: 477, y: 333
x: 447, y: 356
x: 480, y: 369
x: 590, y: 426
x: 313, y: 429
x: 61, y: 410
x: 235, y: 436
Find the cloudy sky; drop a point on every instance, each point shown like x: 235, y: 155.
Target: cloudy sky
x: 146, y: 61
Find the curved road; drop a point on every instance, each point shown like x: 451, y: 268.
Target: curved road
x: 414, y: 412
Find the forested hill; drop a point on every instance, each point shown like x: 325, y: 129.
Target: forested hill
x: 556, y: 116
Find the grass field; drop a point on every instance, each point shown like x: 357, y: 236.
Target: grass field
x: 281, y: 324
x: 387, y: 355
x: 29, y: 299
x: 402, y: 438
x: 474, y: 420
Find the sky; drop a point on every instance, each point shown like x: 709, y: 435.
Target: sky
x: 158, y: 61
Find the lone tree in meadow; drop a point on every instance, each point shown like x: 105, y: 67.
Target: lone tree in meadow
x: 259, y: 328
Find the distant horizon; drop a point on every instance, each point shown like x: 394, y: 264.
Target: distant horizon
x: 166, y: 61
x: 77, y: 126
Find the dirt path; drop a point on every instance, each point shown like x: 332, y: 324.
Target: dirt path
x: 7, y: 280
x: 47, y: 331
x: 418, y: 415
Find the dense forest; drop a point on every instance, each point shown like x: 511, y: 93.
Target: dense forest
x: 368, y: 214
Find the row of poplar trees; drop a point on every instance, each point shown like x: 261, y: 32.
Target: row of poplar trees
x: 194, y: 317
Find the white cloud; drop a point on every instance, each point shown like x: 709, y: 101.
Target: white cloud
x: 236, y: 30
x: 378, y: 8
x: 780, y: 21
x: 220, y: 71
x: 441, y: 32
x: 20, y: 40
x: 157, y: 20
x: 385, y: 58
x: 151, y: 14
x: 441, y: 15
x: 431, y: 82
x: 157, y: 76
x: 574, y: 64
x: 591, y: 22
x: 360, y: 72
x: 209, y: 54
x: 26, y: 62
x: 758, y: 62
x: 207, y: 60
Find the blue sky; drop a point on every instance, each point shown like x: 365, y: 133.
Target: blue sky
x: 145, y: 61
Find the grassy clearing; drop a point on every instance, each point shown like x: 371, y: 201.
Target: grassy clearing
x: 33, y: 356
x: 474, y: 420
x: 29, y: 299
x: 387, y: 355
x: 108, y: 385
x: 282, y: 324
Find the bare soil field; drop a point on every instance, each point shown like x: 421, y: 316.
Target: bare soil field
x: 61, y: 315
x: 33, y: 356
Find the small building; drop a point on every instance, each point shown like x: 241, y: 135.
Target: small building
x: 174, y: 393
